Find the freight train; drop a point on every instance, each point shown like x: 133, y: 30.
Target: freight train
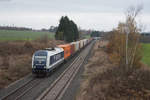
x: 44, y: 61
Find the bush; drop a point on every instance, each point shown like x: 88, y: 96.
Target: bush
x: 119, y: 83
x: 28, y: 45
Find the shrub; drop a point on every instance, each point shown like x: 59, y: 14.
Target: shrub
x: 118, y: 83
x: 28, y: 45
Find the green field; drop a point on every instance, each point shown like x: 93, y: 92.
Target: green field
x: 146, y: 54
x: 87, y: 36
x: 11, y: 35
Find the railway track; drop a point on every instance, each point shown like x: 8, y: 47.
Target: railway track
x: 22, y: 90
x: 59, y: 86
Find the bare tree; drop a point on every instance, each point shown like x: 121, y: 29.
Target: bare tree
x: 134, y: 30
x: 124, y: 42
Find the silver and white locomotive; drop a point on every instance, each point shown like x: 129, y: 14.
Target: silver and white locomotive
x: 43, y: 61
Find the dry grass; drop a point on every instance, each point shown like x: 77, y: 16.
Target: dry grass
x: 105, y: 81
x: 15, y: 58
x: 98, y: 63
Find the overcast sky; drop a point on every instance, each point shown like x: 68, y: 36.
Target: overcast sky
x: 88, y: 14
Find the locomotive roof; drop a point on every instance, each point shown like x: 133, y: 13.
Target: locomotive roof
x: 51, y: 52
x: 56, y: 51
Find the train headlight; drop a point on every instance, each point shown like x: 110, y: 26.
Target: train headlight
x: 44, y: 66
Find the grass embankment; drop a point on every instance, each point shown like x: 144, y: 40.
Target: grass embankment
x: 16, y: 57
x: 11, y: 35
x: 146, y: 54
x: 103, y: 80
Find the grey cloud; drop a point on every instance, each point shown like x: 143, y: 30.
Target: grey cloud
x: 73, y: 5
x: 56, y: 8
x: 5, y: 0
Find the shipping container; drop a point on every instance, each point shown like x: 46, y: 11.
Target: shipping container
x: 81, y: 44
x: 67, y: 50
x: 76, y: 44
x: 85, y: 42
x: 72, y: 48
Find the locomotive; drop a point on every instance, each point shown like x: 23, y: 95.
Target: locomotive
x: 44, y: 61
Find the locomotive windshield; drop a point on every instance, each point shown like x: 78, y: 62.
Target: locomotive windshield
x: 40, y: 58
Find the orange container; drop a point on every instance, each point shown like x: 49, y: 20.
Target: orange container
x: 72, y: 49
x: 67, y: 50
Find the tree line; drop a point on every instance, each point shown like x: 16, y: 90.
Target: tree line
x: 14, y: 28
x: 97, y: 33
x: 145, y: 37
